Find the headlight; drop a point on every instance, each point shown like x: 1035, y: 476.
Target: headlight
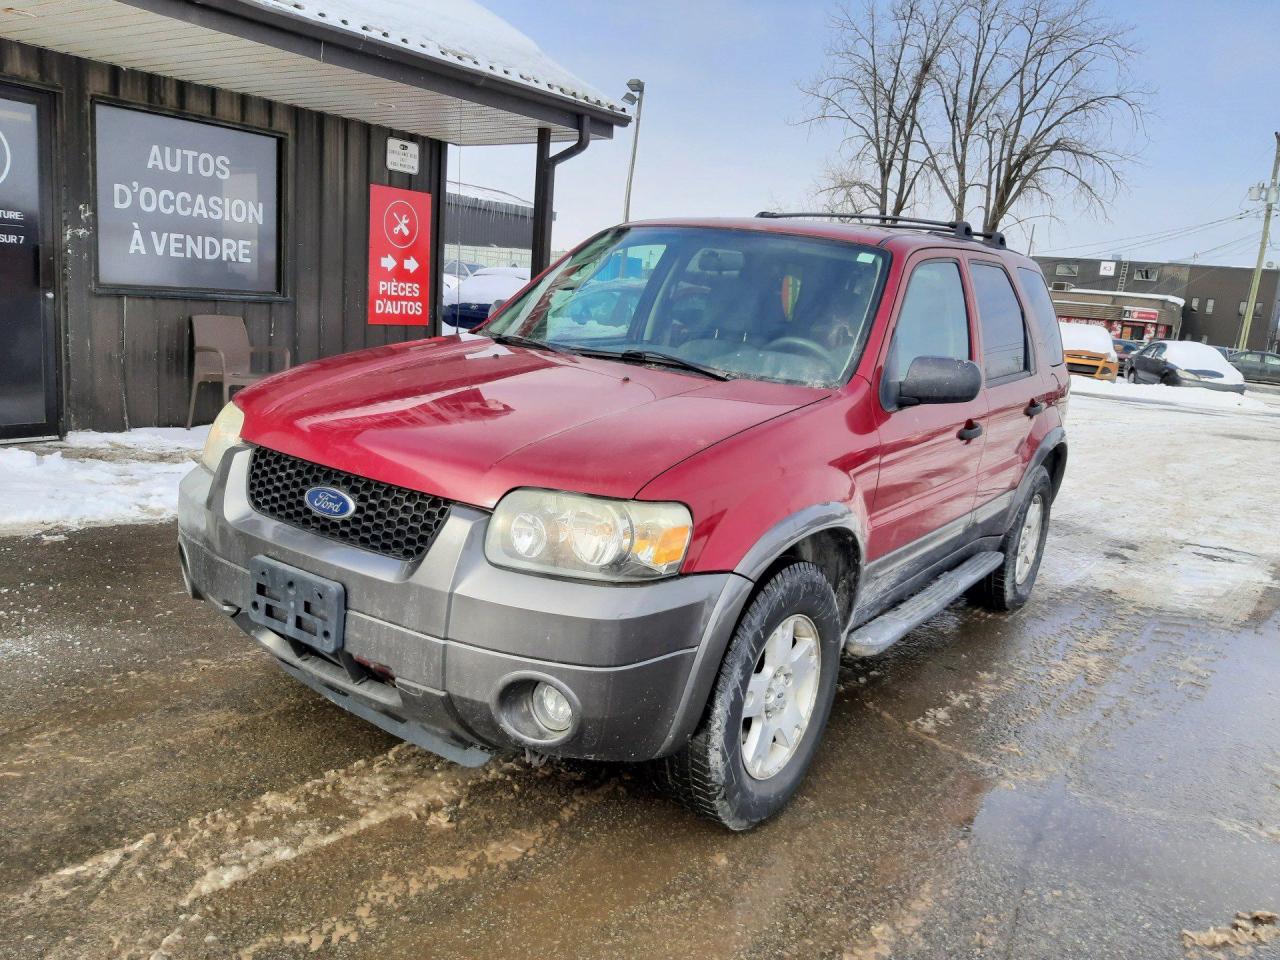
x: 223, y: 435
x: 588, y: 537
x: 1111, y: 355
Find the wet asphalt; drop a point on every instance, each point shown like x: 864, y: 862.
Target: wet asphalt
x: 1088, y: 777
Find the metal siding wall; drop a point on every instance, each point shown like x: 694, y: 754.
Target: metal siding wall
x: 127, y: 359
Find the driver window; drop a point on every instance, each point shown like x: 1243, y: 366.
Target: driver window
x: 933, y: 322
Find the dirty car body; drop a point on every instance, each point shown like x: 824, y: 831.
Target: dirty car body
x: 561, y: 532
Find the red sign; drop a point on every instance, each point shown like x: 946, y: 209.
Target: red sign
x: 1138, y: 313
x: 399, y: 256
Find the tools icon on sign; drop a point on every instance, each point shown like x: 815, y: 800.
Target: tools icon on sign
x: 400, y: 224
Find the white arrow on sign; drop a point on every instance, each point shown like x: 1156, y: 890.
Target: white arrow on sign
x: 411, y: 264
x: 388, y: 262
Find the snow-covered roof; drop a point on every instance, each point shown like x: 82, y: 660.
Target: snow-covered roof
x: 489, y: 194
x: 446, y: 69
x: 458, y: 32
x: 1167, y: 298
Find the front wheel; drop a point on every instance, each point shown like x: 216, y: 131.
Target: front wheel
x: 1008, y: 587
x: 1132, y: 375
x: 769, y: 705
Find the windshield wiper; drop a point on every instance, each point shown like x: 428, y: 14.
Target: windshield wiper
x: 516, y: 340
x: 659, y: 358
x: 672, y: 360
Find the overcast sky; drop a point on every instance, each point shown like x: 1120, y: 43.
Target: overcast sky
x: 721, y: 132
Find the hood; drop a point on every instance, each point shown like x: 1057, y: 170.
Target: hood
x: 468, y: 419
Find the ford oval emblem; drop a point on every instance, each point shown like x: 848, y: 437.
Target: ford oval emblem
x: 329, y: 502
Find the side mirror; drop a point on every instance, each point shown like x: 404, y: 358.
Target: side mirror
x: 939, y: 380
x: 496, y: 306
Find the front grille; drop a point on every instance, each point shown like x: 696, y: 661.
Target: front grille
x: 1089, y: 368
x: 392, y: 521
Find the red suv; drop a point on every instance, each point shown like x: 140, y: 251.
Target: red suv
x: 642, y: 512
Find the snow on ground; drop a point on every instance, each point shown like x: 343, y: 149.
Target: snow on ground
x: 155, y: 439
x: 95, y: 479
x: 1185, y: 485
x: 1159, y: 393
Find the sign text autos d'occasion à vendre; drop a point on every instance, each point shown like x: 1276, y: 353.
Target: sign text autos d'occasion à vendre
x: 185, y: 205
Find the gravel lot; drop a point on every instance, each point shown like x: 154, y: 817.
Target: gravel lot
x: 1087, y: 778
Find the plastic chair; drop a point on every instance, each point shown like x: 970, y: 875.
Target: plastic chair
x: 222, y: 355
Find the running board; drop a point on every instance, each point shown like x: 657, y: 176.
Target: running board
x: 884, y: 631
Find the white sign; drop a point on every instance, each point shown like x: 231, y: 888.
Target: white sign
x: 402, y: 155
x: 1107, y: 268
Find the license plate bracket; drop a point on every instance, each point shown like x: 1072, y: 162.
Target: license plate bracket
x: 297, y: 604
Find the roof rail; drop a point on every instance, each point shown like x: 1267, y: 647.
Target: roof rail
x: 959, y: 229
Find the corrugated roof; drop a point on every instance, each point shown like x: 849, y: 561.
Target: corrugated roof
x: 458, y: 32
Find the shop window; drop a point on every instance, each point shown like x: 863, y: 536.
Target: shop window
x: 1067, y: 270
x: 186, y: 206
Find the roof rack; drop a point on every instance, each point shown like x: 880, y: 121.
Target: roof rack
x: 959, y: 229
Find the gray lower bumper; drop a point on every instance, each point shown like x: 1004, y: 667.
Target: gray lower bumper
x: 453, y: 632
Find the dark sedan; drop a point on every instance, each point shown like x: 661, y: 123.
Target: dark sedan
x: 1257, y: 365
x: 1184, y: 363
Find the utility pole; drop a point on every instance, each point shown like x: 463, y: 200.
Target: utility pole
x: 635, y: 95
x: 1272, y: 191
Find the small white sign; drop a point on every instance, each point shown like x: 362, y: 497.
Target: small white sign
x: 402, y: 155
x: 1106, y: 269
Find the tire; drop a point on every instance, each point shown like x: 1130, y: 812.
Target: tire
x: 1131, y: 375
x: 1009, y: 586
x: 710, y: 775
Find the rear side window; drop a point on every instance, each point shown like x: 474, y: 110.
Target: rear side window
x: 1043, y: 313
x: 1004, y: 335
x: 933, y: 321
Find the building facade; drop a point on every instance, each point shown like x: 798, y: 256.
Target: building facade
x: 1214, y: 296
x: 277, y: 163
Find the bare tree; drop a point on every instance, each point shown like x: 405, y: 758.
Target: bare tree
x: 875, y: 84
x: 1022, y: 101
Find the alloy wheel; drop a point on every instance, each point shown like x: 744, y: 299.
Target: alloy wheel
x: 780, y: 696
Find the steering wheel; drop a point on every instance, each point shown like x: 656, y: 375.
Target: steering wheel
x: 801, y: 346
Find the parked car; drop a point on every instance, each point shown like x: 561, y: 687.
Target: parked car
x: 460, y: 269
x: 1184, y: 363
x: 1258, y: 365
x: 1124, y: 350
x: 1089, y: 351
x: 471, y: 302
x: 649, y: 538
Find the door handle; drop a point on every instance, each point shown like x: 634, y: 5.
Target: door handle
x: 1034, y: 408
x: 969, y: 431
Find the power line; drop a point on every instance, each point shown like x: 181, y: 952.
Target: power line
x: 1157, y: 236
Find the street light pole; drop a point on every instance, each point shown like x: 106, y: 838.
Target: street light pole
x: 1272, y: 191
x: 636, y: 96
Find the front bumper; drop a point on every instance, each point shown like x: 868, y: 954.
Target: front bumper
x: 1095, y: 366
x: 1211, y: 385
x: 452, y: 635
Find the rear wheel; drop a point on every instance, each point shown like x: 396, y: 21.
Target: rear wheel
x: 768, y: 707
x: 1008, y: 587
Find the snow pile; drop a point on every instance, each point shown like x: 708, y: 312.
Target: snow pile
x: 1089, y: 337
x: 1159, y: 393
x: 95, y: 479
x: 150, y: 439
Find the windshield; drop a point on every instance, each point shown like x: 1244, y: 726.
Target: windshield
x: 764, y: 306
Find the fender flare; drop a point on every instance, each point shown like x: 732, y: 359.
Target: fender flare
x: 1052, y: 442
x: 790, y: 530
x: 718, y: 631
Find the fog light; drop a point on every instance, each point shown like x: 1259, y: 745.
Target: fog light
x: 551, y: 708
